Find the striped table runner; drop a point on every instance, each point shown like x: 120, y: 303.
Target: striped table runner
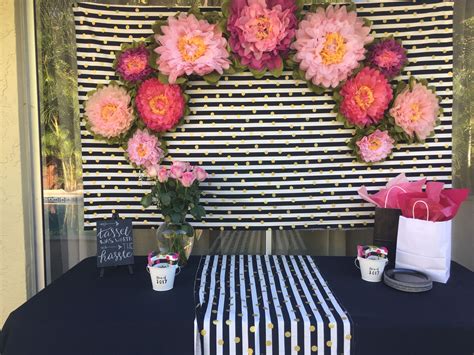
x: 252, y: 304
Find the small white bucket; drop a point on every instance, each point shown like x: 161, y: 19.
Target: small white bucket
x: 371, y: 268
x: 162, y: 276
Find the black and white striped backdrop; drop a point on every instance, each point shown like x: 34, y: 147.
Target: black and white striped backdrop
x: 276, y: 155
x: 252, y: 304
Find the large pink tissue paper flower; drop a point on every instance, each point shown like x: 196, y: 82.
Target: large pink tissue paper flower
x: 160, y: 106
x: 261, y: 31
x: 330, y: 44
x: 365, y: 97
x: 109, y: 112
x: 416, y: 111
x: 191, y: 46
x: 375, y: 147
x: 144, y: 149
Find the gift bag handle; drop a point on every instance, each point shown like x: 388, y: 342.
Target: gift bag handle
x: 393, y: 187
x: 427, y: 209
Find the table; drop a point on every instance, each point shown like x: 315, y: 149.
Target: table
x: 120, y: 314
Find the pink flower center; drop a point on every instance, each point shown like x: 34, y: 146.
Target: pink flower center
x: 374, y: 143
x: 387, y: 59
x: 135, y: 65
x: 141, y: 150
x: 364, y: 97
x: 334, y: 49
x: 415, y: 112
x: 108, y: 111
x: 158, y: 104
x: 262, y: 27
x: 192, y: 48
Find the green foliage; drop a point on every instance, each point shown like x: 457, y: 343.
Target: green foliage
x: 59, y: 111
x: 175, y: 201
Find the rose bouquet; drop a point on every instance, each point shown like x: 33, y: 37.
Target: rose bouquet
x: 176, y: 192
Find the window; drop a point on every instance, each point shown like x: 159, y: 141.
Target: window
x: 65, y: 240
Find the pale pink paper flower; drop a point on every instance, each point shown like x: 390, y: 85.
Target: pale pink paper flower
x: 109, y: 111
x: 375, y: 147
x: 144, y: 149
x: 191, y: 46
x: 416, y: 111
x: 188, y: 178
x: 201, y: 174
x: 330, y: 44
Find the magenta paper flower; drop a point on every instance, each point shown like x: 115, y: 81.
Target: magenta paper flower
x: 160, y: 106
x: 144, y: 149
x: 108, y: 111
x: 261, y: 31
x: 330, y: 44
x: 416, y: 111
x: 191, y: 46
x: 388, y: 56
x: 132, y: 64
x: 365, y: 97
x: 375, y: 147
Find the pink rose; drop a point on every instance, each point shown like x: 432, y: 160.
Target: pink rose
x: 201, y: 174
x: 152, y: 171
x: 188, y: 178
x: 176, y: 171
x: 163, y: 174
x: 183, y: 165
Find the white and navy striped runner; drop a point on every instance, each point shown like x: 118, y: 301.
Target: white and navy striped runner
x: 276, y: 155
x: 269, y: 304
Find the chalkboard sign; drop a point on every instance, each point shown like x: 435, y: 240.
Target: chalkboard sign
x: 114, y: 242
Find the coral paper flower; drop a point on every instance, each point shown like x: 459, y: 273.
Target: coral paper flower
x: 144, y: 149
x: 261, y: 31
x: 416, y: 111
x: 109, y: 112
x: 375, y: 147
x: 330, y: 44
x: 132, y: 64
x: 191, y: 46
x: 388, y: 56
x: 160, y: 106
x: 365, y: 97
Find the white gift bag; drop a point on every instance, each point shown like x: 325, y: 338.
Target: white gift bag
x: 424, y: 246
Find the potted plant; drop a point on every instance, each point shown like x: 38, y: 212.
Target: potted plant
x: 176, y: 193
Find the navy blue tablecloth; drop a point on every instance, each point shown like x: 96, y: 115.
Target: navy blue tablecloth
x: 120, y: 314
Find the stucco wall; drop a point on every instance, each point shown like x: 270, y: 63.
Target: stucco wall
x: 12, y: 241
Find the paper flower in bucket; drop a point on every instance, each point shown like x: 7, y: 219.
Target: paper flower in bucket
x: 366, y: 251
x: 155, y: 258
